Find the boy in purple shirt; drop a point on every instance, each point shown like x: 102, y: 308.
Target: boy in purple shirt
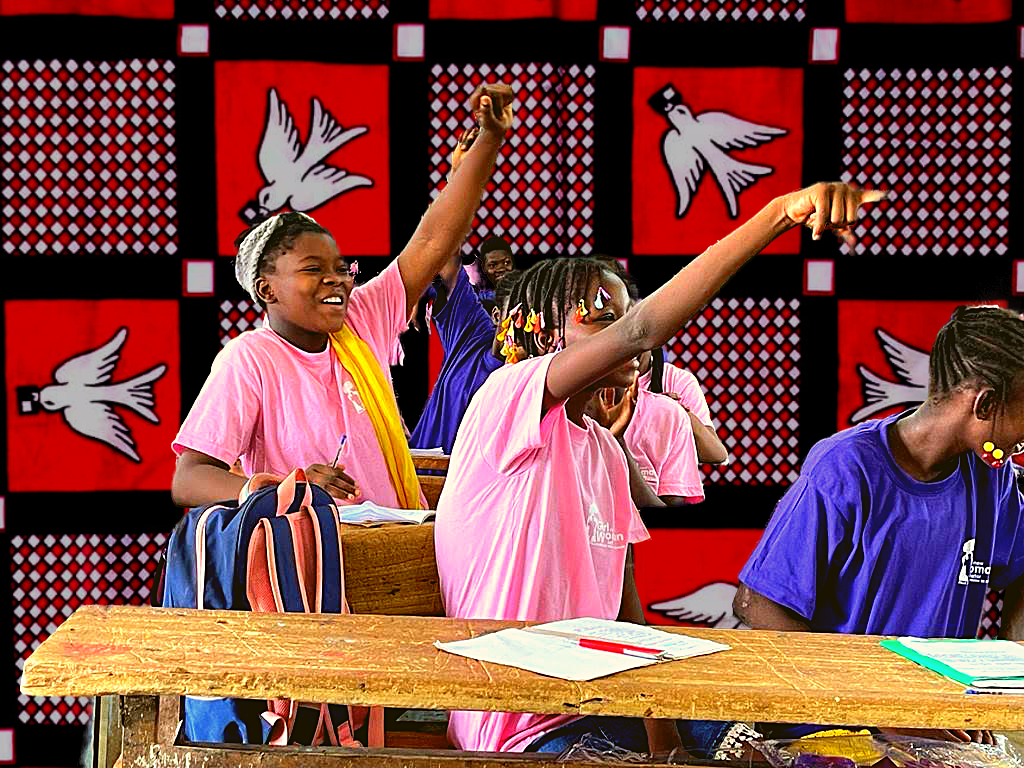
x: 900, y: 526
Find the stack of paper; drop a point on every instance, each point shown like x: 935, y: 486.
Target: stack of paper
x: 991, y: 666
x: 554, y: 649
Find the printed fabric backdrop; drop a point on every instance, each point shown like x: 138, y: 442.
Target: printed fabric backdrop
x: 137, y: 139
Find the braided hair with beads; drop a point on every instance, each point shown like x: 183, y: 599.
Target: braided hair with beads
x: 980, y: 346
x: 549, y: 290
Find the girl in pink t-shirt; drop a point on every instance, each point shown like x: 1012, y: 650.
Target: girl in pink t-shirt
x: 538, y: 509
x: 656, y: 375
x: 283, y: 396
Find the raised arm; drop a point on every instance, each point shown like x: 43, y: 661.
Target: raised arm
x: 447, y: 221
x: 657, y: 318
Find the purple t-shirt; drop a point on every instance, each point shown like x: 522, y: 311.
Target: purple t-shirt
x: 466, y: 333
x: 858, y: 546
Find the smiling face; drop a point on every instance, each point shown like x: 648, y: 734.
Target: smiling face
x: 615, y: 301
x: 307, y: 291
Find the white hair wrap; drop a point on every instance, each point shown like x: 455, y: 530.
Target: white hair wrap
x: 248, y: 260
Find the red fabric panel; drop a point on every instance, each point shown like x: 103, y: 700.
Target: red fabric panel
x: 435, y: 359
x: 767, y: 97
x: 930, y: 12
x: 567, y: 10
x: 354, y: 95
x: 691, y: 574
x: 60, y: 447
x: 150, y: 9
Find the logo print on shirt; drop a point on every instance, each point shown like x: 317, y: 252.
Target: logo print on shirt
x: 601, y: 532
x: 353, y: 396
x: 694, y: 143
x: 298, y: 175
x: 85, y: 396
x: 972, y: 571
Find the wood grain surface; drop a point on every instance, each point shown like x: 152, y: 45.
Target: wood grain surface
x: 391, y: 570
x: 391, y: 661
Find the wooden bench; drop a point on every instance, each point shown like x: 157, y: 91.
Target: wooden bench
x: 142, y: 653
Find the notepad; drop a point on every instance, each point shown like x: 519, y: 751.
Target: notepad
x: 995, y: 666
x: 368, y: 512
x: 560, y: 655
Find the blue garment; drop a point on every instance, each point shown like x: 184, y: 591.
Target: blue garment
x: 466, y: 333
x: 858, y: 546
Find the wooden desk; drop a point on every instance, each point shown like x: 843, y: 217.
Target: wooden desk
x: 433, y: 483
x: 391, y: 661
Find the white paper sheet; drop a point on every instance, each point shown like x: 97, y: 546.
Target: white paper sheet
x: 563, y: 657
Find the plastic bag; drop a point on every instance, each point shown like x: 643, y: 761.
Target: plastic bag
x: 867, y: 749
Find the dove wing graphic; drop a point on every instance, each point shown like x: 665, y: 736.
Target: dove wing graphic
x: 729, y: 132
x: 280, y: 146
x: 909, y: 363
x: 324, y: 182
x: 94, y: 367
x: 99, y: 422
x: 707, y: 605
x: 685, y: 166
x: 325, y: 135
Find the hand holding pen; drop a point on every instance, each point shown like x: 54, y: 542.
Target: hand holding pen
x: 332, y: 478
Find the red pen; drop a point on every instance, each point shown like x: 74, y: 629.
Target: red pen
x: 624, y: 648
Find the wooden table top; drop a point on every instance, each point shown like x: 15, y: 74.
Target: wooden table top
x: 391, y: 661
x: 430, y: 461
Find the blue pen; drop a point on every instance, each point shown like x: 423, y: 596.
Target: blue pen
x: 338, y: 454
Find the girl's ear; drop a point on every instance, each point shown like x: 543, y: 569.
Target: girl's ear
x: 546, y: 342
x: 985, y: 404
x: 264, y: 291
x: 495, y: 315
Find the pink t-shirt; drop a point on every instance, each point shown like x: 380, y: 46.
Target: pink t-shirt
x: 277, y: 407
x: 683, y: 383
x: 660, y: 438
x: 532, y: 524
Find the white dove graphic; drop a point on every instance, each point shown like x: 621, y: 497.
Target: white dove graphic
x: 911, y: 388
x: 297, y: 176
x: 695, y: 143
x: 84, y: 395
x: 710, y: 606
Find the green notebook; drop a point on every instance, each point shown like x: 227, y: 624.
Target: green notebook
x: 984, y: 665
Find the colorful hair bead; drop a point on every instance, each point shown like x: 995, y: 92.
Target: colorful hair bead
x: 581, y: 311
x: 602, y: 297
x: 353, y: 269
x: 531, y: 322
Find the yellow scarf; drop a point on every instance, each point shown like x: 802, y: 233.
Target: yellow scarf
x: 379, y: 400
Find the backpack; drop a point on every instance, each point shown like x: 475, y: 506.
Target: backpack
x: 278, y: 550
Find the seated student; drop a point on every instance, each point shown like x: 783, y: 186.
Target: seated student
x: 468, y: 338
x: 659, y: 438
x: 281, y: 397
x: 539, y: 507
x: 496, y: 260
x: 467, y: 334
x: 683, y: 387
x: 901, y: 525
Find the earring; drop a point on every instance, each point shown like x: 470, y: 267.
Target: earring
x: 992, y: 456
